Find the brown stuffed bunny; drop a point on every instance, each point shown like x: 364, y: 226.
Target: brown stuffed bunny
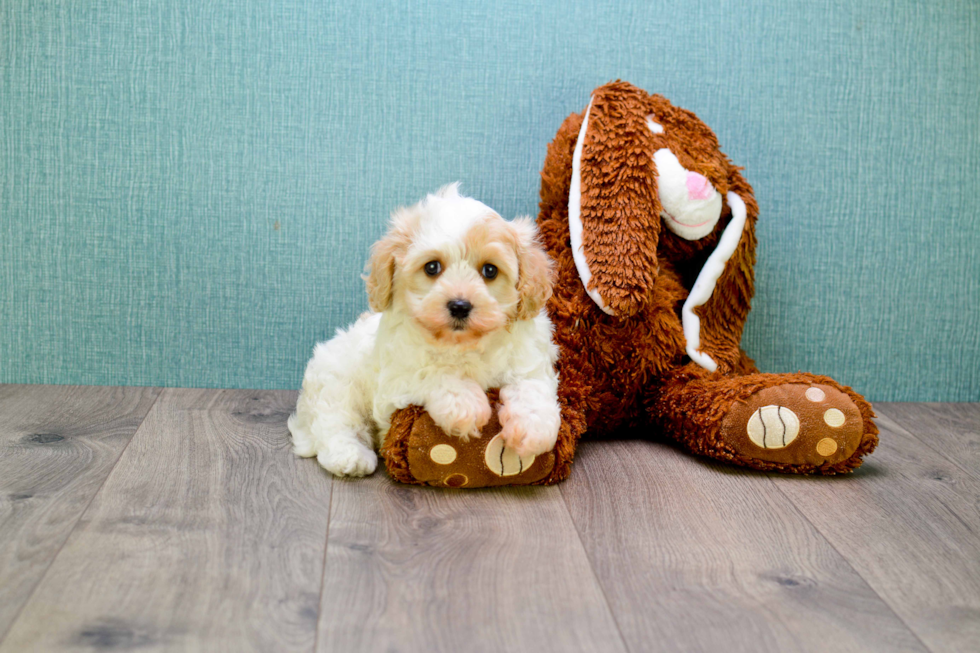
x: 649, y: 319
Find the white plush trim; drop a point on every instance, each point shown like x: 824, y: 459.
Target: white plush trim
x: 655, y: 127
x: 575, y: 216
x: 708, y: 277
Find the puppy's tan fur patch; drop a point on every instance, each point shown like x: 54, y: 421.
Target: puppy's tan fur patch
x: 519, y: 291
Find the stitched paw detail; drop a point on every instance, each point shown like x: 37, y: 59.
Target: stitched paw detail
x: 502, y: 460
x: 773, y: 427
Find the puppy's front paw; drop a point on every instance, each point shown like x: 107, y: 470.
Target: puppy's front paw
x: 528, y: 428
x: 462, y: 411
x: 347, y: 457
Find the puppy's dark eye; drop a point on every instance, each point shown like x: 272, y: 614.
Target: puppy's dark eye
x: 489, y: 271
x: 432, y: 268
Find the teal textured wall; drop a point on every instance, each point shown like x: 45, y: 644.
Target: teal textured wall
x: 188, y: 188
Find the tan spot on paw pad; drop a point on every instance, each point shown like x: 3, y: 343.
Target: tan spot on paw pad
x: 816, y: 395
x: 834, y: 418
x: 442, y: 454
x: 827, y: 447
x: 456, y: 480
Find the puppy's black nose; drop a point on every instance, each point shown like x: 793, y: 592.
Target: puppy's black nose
x: 459, y: 308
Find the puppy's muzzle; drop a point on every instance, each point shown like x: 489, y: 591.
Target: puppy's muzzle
x: 459, y: 309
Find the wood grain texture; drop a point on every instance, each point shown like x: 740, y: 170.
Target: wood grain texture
x: 205, y: 533
x: 57, y: 446
x: 909, y: 522
x: 424, y: 569
x: 696, y: 556
x: 207, y: 536
x: 951, y: 430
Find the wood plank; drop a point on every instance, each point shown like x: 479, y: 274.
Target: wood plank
x: 208, y: 535
x: 57, y: 445
x: 695, y: 556
x: 952, y: 430
x: 909, y: 522
x: 422, y: 569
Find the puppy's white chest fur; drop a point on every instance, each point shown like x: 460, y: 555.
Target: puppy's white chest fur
x: 410, y: 369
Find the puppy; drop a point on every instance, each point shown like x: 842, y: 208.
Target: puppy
x: 457, y: 297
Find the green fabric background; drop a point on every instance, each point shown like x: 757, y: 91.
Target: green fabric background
x: 188, y: 188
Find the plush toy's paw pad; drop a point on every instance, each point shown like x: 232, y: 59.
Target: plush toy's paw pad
x: 773, y: 427
x: 342, y: 457
x: 527, y: 443
x: 795, y: 424
x: 504, y: 460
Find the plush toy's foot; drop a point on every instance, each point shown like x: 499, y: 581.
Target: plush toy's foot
x: 795, y: 424
x: 420, y: 452
x: 417, y: 451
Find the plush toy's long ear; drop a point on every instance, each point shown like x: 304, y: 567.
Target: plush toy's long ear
x: 613, y: 207
x: 715, y: 311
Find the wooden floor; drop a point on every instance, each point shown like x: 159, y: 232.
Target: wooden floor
x: 139, y: 518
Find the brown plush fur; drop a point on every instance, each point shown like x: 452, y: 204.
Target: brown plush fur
x: 630, y: 369
x: 394, y: 450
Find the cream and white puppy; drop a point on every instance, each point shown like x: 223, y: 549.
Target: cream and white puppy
x: 457, y: 296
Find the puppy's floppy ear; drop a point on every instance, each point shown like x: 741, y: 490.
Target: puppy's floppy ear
x: 535, y: 269
x: 380, y: 277
x: 613, y: 206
